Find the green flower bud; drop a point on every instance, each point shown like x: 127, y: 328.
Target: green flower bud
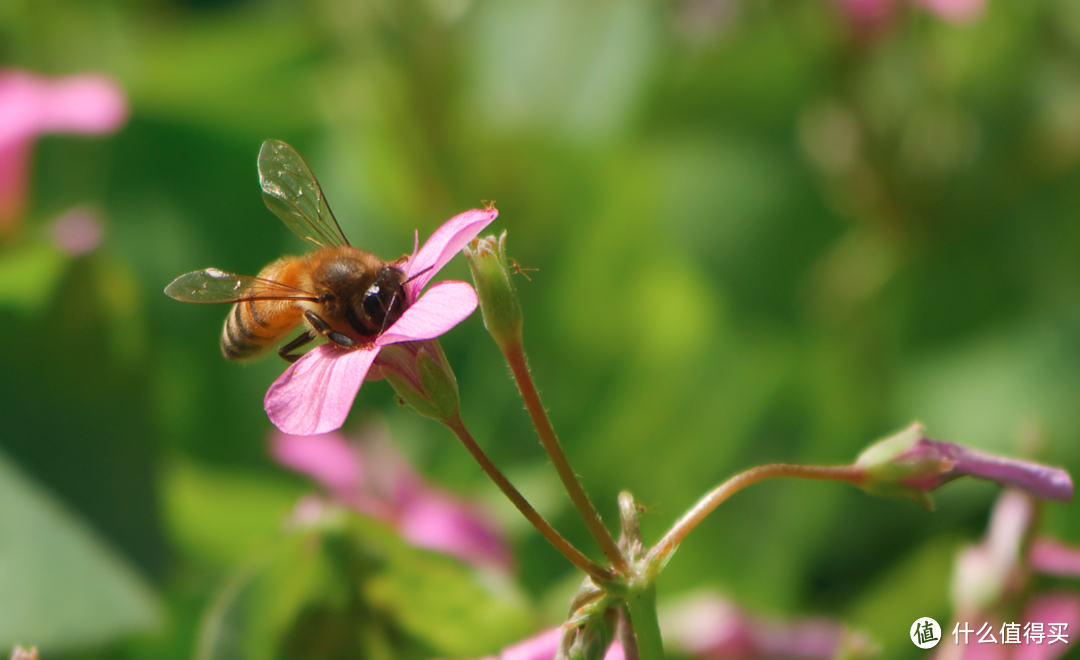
x: 495, y: 288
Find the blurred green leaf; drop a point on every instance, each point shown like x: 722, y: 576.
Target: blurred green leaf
x: 349, y: 586
x: 29, y: 274
x: 224, y: 517
x: 61, y: 587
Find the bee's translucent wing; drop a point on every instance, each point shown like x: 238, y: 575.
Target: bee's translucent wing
x: 292, y: 193
x: 211, y: 286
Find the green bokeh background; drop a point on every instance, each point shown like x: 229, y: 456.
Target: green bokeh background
x: 761, y: 235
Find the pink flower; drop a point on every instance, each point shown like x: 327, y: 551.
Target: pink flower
x: 711, y: 627
x: 77, y: 232
x: 869, y: 17
x: 314, y: 395
x: 543, y: 647
x: 1054, y: 558
x: 376, y: 480
x: 31, y: 105
x: 995, y: 576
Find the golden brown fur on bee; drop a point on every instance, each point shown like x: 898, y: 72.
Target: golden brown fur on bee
x: 339, y: 276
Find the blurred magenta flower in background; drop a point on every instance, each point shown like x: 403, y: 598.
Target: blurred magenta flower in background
x: 315, y: 394
x: 372, y: 477
x: 868, y: 16
x: 543, y: 647
x: 77, y: 231
x: 32, y: 105
x: 992, y: 580
x: 711, y: 627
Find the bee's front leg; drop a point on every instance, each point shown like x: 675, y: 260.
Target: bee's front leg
x: 323, y: 328
x: 286, y: 351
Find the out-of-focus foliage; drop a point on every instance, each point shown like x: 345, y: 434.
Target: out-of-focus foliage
x: 763, y: 233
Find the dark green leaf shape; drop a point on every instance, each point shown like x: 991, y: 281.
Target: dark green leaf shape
x: 61, y: 586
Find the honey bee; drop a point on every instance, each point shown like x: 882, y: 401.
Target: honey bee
x: 339, y: 292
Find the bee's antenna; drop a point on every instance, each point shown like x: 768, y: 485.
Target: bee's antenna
x: 416, y: 275
x: 386, y: 315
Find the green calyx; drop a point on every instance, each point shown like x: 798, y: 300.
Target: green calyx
x: 499, y: 303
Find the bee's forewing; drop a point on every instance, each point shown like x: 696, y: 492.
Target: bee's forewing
x: 212, y: 286
x: 292, y: 193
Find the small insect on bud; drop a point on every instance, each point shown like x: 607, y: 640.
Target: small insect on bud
x: 910, y: 465
x: 495, y: 288
x: 420, y: 374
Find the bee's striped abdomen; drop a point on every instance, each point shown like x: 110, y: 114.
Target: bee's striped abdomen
x: 254, y: 326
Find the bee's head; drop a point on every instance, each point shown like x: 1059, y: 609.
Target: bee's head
x: 383, y: 301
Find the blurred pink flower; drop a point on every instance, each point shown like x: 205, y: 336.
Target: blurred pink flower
x: 314, y: 395
x: 868, y: 17
x: 994, y: 576
x: 376, y: 480
x: 543, y: 647
x: 1057, y: 607
x: 77, y: 232
x: 954, y: 11
x: 1052, y: 557
x: 711, y: 627
x: 31, y: 105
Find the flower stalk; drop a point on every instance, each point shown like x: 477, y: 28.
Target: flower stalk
x: 665, y: 548
x: 575, y: 556
x: 503, y: 319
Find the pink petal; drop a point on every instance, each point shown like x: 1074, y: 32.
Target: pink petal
x: 14, y: 180
x: 88, y: 103
x: 31, y: 105
x: 329, y: 459
x: 544, y: 646
x: 441, y: 307
x: 538, y: 647
x: 1054, y: 558
x: 447, y: 241
x: 1054, y: 607
x: 955, y: 11
x: 438, y: 521
x: 20, y: 99
x: 314, y: 395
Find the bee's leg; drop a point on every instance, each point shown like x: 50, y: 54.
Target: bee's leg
x: 286, y: 351
x: 323, y: 328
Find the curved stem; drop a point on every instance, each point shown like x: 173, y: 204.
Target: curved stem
x: 515, y: 357
x: 661, y: 552
x: 576, y: 557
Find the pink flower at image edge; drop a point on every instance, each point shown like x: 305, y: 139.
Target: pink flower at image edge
x: 315, y: 394
x: 32, y: 105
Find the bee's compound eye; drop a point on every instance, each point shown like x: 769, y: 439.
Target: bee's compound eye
x: 373, y: 305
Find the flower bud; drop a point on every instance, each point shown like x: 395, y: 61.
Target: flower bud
x: 590, y: 638
x: 910, y: 465
x: 495, y: 288
x: 420, y: 374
